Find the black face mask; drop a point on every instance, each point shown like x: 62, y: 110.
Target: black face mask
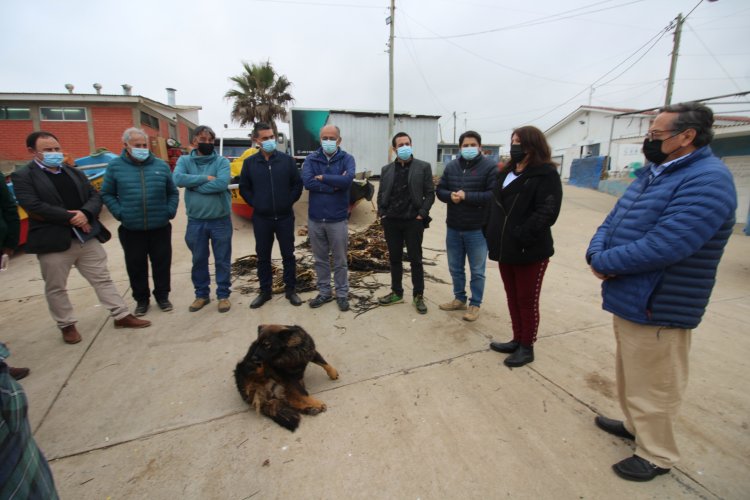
x: 205, y: 148
x: 516, y: 153
x: 652, y: 151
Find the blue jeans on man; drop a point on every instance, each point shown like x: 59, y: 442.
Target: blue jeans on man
x: 461, y: 245
x: 217, y: 232
x: 264, y: 229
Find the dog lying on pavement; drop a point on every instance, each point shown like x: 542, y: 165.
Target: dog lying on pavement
x: 270, y: 377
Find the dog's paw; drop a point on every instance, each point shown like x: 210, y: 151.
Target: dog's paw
x: 333, y: 374
x: 314, y: 410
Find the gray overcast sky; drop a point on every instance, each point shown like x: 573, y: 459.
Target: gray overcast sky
x: 333, y: 51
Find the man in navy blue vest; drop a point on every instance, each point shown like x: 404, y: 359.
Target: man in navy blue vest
x: 657, y: 253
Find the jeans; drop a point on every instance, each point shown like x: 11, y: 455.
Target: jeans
x: 264, y: 229
x: 140, y: 247
x: 330, y: 238
x: 460, y: 245
x: 397, y: 232
x: 197, y: 236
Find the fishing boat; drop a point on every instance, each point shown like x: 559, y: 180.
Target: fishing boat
x: 94, y: 166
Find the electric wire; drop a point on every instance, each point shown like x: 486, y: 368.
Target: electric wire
x: 534, y: 22
x: 718, y: 63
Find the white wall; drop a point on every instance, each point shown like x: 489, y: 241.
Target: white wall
x: 571, y: 137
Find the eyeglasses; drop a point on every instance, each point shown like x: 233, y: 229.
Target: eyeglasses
x: 650, y: 135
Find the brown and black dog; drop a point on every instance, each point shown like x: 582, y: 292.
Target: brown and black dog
x: 270, y: 377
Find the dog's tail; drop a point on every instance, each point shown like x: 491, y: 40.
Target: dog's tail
x: 281, y: 413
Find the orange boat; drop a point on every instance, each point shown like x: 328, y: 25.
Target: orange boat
x: 239, y: 206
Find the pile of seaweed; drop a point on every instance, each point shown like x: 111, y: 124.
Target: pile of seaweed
x: 367, y: 255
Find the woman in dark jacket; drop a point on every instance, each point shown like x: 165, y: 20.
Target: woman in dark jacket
x: 525, y: 204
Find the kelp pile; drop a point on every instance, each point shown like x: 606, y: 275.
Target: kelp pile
x: 368, y: 255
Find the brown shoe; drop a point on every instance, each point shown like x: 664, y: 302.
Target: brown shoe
x: 472, y: 314
x: 18, y: 373
x: 70, y: 334
x: 224, y: 305
x: 131, y: 321
x: 198, y: 304
x: 453, y: 305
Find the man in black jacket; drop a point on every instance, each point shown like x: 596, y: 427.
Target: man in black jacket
x: 404, y: 199
x: 64, y: 230
x: 270, y: 183
x: 466, y: 186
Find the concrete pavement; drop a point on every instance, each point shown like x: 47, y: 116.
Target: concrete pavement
x: 422, y: 409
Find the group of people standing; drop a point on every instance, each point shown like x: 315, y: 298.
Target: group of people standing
x: 656, y: 253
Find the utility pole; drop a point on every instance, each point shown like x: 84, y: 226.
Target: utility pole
x: 454, y: 127
x: 675, y: 53
x: 391, y: 121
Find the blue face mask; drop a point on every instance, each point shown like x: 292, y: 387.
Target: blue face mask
x: 53, y: 158
x: 404, y: 153
x: 268, y: 146
x: 329, y: 146
x: 469, y: 153
x: 140, y: 154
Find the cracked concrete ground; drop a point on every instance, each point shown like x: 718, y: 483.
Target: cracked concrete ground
x: 423, y: 409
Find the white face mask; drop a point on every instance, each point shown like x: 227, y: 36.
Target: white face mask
x: 329, y: 146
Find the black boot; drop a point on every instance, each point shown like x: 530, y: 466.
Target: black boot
x: 505, y: 347
x: 522, y: 356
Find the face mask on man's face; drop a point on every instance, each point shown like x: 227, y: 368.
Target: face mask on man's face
x: 404, y: 153
x: 269, y: 146
x: 140, y: 154
x: 329, y: 145
x: 205, y: 148
x: 52, y: 158
x: 469, y: 152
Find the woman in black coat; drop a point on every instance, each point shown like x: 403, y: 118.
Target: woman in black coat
x: 525, y: 204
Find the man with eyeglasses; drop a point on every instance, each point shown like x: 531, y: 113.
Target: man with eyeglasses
x: 657, y: 253
x: 328, y: 174
x: 64, y: 231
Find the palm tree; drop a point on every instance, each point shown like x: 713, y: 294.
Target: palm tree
x: 260, y: 95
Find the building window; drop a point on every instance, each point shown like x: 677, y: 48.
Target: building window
x: 10, y: 113
x: 149, y: 120
x: 64, y: 114
x: 172, y: 131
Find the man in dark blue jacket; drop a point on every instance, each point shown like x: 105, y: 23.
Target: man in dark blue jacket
x: 328, y: 174
x: 139, y: 191
x: 466, y: 187
x: 271, y: 184
x: 657, y: 253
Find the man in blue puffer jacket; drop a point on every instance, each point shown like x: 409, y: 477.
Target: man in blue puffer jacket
x: 657, y: 253
x: 328, y: 174
x: 139, y: 191
x: 466, y: 187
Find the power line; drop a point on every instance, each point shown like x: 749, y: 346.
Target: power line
x: 419, y: 70
x: 714, y: 58
x: 322, y: 4
x: 492, y: 61
x: 654, y: 38
x: 534, y: 22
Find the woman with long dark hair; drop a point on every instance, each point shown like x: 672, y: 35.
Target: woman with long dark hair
x: 526, y: 202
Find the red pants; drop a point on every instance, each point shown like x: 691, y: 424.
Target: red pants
x: 523, y: 284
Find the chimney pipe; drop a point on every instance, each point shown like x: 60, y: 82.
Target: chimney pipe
x: 171, y: 99
x: 69, y: 87
x: 127, y: 89
x: 98, y: 88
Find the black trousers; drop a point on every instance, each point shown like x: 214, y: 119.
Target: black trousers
x: 398, y: 232
x: 139, y: 248
x: 265, y: 229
